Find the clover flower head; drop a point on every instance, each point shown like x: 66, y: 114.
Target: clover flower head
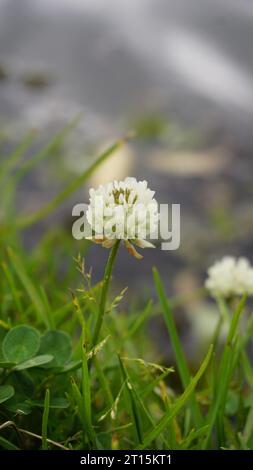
x: 123, y: 210
x: 230, y: 277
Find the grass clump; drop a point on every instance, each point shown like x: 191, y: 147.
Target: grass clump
x: 72, y: 370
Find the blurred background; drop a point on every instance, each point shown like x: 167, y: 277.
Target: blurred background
x: 179, y: 73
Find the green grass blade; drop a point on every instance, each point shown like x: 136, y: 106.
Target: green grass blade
x: 70, y: 189
x: 9, y: 164
x: 86, y: 385
x: 86, y: 389
x: 14, y: 290
x: 192, y: 436
x: 45, y: 420
x: 81, y: 408
x: 29, y: 287
x: 144, y: 392
x: 61, y: 313
x: 133, y: 403
x: 5, y: 444
x: 148, y: 415
x: 79, y: 402
x: 249, y: 331
x: 225, y: 371
x: 247, y: 368
x: 163, y: 423
x: 138, y: 321
x: 248, y: 429
x: 47, y: 150
x: 176, y: 345
x: 105, y: 386
x: 47, y: 308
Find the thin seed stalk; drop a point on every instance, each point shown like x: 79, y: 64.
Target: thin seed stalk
x: 105, y: 288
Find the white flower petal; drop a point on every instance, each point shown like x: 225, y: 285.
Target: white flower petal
x: 143, y: 243
x: 130, y: 248
x: 123, y: 210
x: 230, y: 277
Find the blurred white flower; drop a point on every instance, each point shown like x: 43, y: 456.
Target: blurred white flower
x: 123, y: 210
x: 229, y: 277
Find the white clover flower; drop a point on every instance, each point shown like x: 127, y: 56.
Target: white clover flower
x: 229, y: 277
x: 123, y: 210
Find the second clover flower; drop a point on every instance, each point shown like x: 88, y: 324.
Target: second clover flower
x: 230, y: 277
x: 123, y: 210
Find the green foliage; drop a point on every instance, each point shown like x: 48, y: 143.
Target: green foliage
x: 21, y: 343
x: 79, y: 371
x: 6, y: 392
x: 178, y: 351
x: 58, y: 345
x: 45, y: 420
x: 35, y: 362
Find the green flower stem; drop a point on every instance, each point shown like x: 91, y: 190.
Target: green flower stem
x: 103, y: 298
